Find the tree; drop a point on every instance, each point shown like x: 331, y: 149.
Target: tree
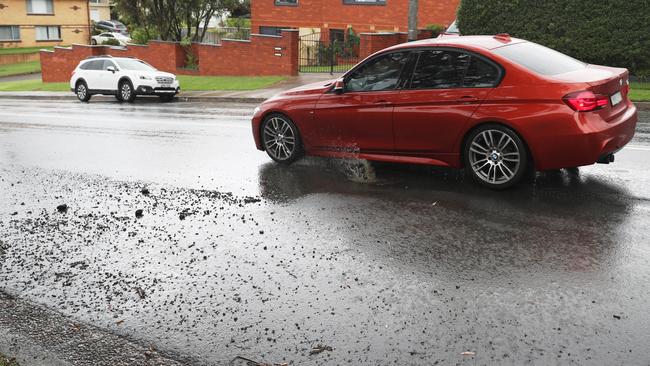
x: 612, y: 33
x: 171, y: 20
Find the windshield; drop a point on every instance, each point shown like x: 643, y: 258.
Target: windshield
x: 135, y: 65
x: 540, y: 59
x: 453, y: 28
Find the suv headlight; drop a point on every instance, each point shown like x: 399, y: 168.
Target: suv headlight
x: 143, y: 77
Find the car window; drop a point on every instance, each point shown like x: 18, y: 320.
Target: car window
x: 453, y: 28
x: 85, y: 65
x: 108, y: 35
x: 440, y: 69
x: 95, y: 65
x: 540, y: 59
x: 108, y: 63
x: 135, y: 65
x: 380, y: 73
x: 481, y: 74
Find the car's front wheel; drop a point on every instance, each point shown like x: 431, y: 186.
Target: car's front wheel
x: 126, y: 92
x: 281, y: 139
x: 83, y: 94
x: 93, y: 42
x: 495, y: 156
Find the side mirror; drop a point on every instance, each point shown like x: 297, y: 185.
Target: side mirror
x: 111, y: 69
x: 339, y: 86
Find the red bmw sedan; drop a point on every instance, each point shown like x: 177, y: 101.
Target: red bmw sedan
x: 495, y: 106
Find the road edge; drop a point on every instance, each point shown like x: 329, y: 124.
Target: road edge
x: 180, y: 98
x: 38, y: 336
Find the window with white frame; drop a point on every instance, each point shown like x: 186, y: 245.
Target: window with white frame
x: 9, y: 33
x: 48, y: 33
x: 40, y: 6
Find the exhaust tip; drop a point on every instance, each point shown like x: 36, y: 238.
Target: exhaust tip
x: 606, y: 159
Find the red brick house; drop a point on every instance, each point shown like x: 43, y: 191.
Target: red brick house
x: 331, y: 18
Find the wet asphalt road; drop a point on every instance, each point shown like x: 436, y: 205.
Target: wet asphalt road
x: 385, y: 264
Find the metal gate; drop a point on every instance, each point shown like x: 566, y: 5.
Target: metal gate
x: 338, y: 53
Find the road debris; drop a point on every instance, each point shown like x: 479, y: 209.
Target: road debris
x: 320, y: 349
x: 62, y: 208
x: 140, y: 292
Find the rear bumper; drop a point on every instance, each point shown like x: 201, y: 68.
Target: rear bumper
x: 592, y: 140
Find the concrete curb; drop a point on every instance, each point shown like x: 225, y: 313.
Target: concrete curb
x: 38, y: 336
x: 185, y: 99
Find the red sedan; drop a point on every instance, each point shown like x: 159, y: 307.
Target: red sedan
x: 496, y: 106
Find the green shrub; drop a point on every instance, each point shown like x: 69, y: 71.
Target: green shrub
x: 140, y: 36
x: 612, y: 33
x: 111, y: 42
x: 436, y: 29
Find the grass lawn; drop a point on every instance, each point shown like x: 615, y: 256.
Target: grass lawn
x: 19, y: 69
x: 18, y: 51
x: 199, y: 83
x: 5, y: 361
x: 640, y: 92
x: 227, y: 82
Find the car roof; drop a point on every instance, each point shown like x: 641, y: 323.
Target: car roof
x: 484, y: 42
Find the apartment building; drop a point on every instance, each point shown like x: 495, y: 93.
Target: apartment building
x: 100, y: 10
x: 331, y: 17
x: 34, y: 23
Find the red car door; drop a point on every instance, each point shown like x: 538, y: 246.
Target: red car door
x: 446, y: 87
x: 361, y: 118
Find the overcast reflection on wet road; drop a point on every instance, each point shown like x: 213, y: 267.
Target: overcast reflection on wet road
x: 385, y: 264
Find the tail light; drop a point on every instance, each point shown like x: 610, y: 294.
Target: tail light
x: 585, y: 101
x: 626, y: 87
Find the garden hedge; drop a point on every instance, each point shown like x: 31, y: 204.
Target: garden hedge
x: 609, y: 32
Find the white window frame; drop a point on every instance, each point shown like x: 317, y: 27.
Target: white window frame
x: 49, y: 6
x: 47, y: 31
x: 15, y: 33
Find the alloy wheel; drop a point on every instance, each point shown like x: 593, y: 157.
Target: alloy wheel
x: 279, y: 138
x: 81, y: 91
x: 494, y: 157
x: 126, y: 91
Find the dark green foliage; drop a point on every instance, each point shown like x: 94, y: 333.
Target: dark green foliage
x: 111, y: 42
x: 612, y: 33
x: 436, y: 29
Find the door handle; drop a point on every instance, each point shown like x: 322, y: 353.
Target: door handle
x: 467, y: 99
x: 383, y: 103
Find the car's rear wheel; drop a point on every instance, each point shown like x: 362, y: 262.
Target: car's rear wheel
x: 126, y: 92
x: 495, y: 156
x: 93, y: 42
x: 281, y: 139
x: 83, y: 94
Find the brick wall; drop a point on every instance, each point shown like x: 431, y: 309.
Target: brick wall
x: 370, y: 43
x: 334, y: 14
x: 262, y: 55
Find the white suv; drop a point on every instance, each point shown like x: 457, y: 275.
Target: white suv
x: 122, y: 77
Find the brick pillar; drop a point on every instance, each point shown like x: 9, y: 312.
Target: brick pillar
x: 291, y: 50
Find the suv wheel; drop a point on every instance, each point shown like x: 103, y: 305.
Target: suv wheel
x: 126, y: 92
x: 495, y: 156
x: 83, y: 94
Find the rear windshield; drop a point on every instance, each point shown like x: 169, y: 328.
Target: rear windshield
x: 540, y: 59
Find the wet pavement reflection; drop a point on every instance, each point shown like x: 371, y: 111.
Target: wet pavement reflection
x: 383, y: 263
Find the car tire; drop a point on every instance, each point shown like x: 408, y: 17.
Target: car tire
x: 495, y: 156
x: 93, y: 42
x: 166, y: 98
x: 281, y: 139
x: 81, y: 89
x: 125, y: 91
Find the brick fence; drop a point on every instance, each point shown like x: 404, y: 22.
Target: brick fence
x: 261, y: 55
